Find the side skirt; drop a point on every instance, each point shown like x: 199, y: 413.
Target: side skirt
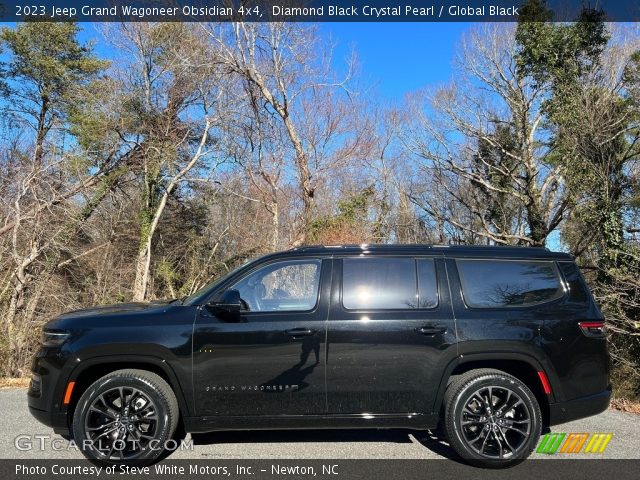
x: 417, y: 421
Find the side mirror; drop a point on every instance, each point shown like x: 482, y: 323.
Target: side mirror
x: 230, y: 302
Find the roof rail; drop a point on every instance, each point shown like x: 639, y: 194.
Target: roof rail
x: 410, y: 245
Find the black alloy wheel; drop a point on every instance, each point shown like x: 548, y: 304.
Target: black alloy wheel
x: 492, y: 419
x: 125, y: 417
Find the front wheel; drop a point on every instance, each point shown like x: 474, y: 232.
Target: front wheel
x: 492, y: 419
x: 126, y: 416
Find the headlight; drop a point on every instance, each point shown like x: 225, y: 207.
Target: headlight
x: 52, y: 338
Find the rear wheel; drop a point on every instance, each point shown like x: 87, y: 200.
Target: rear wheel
x: 492, y: 419
x: 126, y: 416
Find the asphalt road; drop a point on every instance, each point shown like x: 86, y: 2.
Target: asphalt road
x: 15, y: 420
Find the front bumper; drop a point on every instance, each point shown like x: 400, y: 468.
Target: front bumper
x: 46, y: 390
x: 577, y: 408
x: 55, y: 420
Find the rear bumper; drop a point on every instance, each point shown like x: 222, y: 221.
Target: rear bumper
x: 579, y: 407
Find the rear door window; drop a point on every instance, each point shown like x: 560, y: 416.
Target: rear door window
x: 379, y: 284
x: 508, y: 283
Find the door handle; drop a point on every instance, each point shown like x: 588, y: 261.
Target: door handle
x: 431, y: 330
x: 300, y: 332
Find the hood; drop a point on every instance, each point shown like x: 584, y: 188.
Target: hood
x: 117, y: 308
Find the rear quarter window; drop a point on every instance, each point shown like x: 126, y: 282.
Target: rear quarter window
x: 508, y: 283
x: 427, y: 284
x: 578, y: 291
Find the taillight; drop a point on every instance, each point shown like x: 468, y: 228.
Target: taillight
x: 592, y: 328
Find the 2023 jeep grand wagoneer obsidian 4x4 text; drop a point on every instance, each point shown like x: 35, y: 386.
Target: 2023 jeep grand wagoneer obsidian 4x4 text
x: 490, y: 343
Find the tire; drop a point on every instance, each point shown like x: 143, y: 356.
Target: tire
x: 496, y: 433
x: 110, y: 431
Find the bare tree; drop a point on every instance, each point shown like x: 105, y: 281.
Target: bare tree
x: 253, y: 141
x: 281, y: 65
x: 483, y: 133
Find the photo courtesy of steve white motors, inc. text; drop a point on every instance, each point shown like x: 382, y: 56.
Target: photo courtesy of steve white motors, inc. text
x: 274, y: 469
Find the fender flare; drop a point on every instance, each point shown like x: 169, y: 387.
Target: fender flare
x: 479, y: 356
x: 157, y: 362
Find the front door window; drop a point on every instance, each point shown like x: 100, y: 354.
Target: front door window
x: 282, y: 286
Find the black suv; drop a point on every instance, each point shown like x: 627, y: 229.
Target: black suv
x: 491, y: 344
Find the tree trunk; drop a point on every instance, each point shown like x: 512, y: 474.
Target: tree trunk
x: 307, y: 190
x: 275, y: 226
x: 41, y: 131
x: 143, y: 262
x: 536, y: 222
